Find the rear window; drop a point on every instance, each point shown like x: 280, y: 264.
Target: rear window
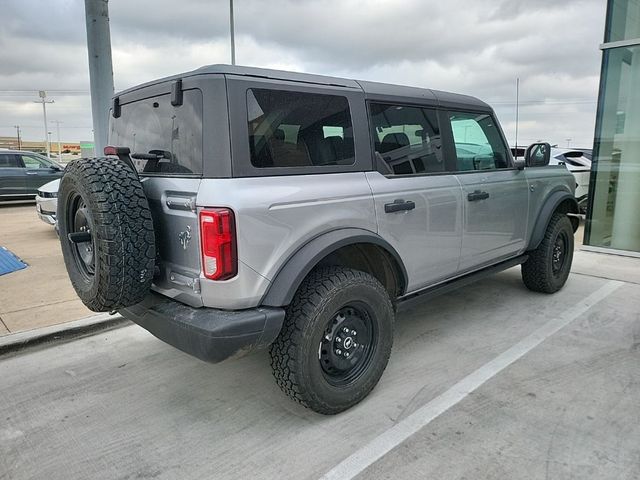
x: 298, y: 129
x: 167, y: 140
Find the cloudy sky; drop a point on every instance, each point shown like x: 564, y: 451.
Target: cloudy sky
x: 478, y: 47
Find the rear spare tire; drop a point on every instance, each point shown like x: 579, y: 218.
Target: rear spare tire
x: 106, y: 233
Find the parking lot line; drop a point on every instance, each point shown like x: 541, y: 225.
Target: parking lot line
x: 394, y: 436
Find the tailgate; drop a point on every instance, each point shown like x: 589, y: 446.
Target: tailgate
x: 175, y: 221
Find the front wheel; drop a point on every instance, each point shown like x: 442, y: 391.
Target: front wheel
x: 336, y: 340
x: 548, y: 266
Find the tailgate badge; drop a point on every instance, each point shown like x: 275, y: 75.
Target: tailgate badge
x: 185, y: 237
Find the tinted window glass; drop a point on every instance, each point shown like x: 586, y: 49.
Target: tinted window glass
x: 33, y: 162
x: 9, y: 161
x: 295, y: 129
x: 172, y: 136
x: 406, y: 139
x: 479, y: 145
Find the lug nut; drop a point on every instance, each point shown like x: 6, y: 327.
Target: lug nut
x: 355, y: 345
x: 338, y: 339
x: 345, y: 330
x: 353, y: 332
x: 339, y: 352
x: 346, y: 354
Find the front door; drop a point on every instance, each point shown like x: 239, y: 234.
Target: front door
x: 37, y: 172
x: 418, y: 202
x: 495, y: 194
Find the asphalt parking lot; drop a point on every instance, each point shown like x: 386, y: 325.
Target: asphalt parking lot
x: 491, y: 381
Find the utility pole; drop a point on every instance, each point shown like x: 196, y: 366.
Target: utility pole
x: 58, y: 122
x: 232, y: 32
x: 100, y: 69
x: 44, y: 101
x: 568, y: 141
x: 17, y: 127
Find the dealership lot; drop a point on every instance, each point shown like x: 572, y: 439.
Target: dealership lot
x: 121, y: 404
x: 41, y: 294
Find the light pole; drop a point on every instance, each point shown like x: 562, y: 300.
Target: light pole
x: 49, y: 144
x: 100, y: 69
x: 17, y: 127
x: 44, y: 101
x: 58, y: 122
x: 232, y: 33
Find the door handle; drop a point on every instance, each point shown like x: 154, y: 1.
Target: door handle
x: 31, y: 172
x: 477, y: 195
x: 399, y: 205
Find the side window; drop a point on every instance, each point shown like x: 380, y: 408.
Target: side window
x: 479, y: 145
x: 406, y: 139
x: 9, y: 161
x: 296, y: 129
x: 33, y: 162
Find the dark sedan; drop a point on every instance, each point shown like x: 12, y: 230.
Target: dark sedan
x: 22, y: 173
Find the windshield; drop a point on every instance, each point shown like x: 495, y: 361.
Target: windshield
x: 163, y: 139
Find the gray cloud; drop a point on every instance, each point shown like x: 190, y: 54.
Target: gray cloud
x: 475, y: 47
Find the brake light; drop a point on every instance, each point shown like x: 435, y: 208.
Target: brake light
x: 218, y: 244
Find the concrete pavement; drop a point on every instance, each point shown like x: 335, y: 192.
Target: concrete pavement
x: 121, y: 404
x: 41, y: 294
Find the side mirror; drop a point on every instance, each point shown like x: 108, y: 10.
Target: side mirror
x: 537, y: 155
x: 55, y: 168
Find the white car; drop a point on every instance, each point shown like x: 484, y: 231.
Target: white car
x: 578, y: 162
x: 47, y: 202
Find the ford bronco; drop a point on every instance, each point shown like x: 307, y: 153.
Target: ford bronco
x: 241, y: 208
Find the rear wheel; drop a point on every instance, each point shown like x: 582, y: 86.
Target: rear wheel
x: 336, y: 340
x: 106, y: 233
x: 548, y: 266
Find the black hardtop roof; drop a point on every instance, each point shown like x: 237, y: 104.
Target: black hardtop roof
x: 373, y: 90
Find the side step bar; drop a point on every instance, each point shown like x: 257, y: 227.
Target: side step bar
x: 415, y: 298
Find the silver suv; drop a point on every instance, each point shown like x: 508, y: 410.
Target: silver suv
x: 241, y: 208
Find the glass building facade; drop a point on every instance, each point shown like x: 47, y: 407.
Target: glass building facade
x: 613, y: 217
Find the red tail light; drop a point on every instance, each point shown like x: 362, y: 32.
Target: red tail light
x: 218, y: 243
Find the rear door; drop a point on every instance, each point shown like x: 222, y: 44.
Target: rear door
x: 418, y: 202
x: 12, y: 181
x: 167, y: 145
x: 495, y: 194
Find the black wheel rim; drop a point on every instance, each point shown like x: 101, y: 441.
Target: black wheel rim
x: 80, y: 221
x: 348, y: 344
x: 559, y: 253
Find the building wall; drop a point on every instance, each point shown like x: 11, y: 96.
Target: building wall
x: 613, y: 219
x: 12, y: 143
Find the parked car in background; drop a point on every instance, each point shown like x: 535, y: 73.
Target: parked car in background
x: 47, y: 201
x: 578, y: 162
x: 22, y: 173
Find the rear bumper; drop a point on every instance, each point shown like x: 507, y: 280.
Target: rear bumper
x: 209, y: 334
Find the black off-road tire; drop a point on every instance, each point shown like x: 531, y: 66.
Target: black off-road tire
x: 105, y: 196
x: 297, y: 353
x: 538, y: 272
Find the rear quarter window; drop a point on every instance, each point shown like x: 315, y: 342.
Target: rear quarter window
x: 299, y: 129
x: 166, y: 139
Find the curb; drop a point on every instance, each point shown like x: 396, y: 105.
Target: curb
x: 64, y: 332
